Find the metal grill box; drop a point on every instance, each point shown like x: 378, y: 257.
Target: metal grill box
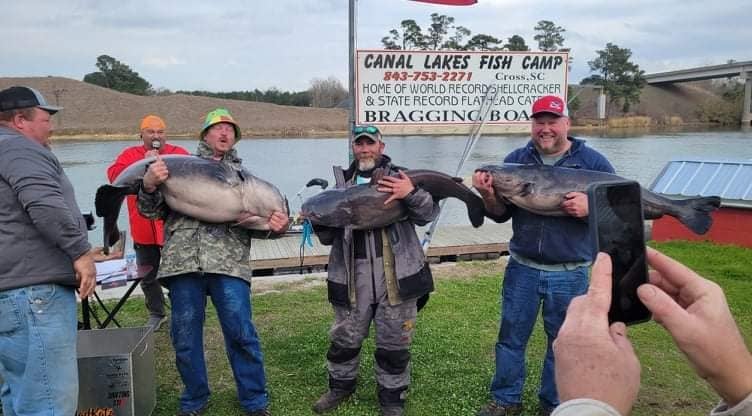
x: 116, y: 372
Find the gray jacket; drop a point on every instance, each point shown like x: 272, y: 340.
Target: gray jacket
x: 413, y: 276
x: 43, y: 230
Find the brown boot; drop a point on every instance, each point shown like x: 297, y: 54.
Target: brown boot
x: 496, y: 409
x: 331, y: 399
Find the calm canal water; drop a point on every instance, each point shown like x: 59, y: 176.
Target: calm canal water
x: 290, y: 163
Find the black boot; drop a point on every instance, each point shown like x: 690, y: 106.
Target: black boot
x: 392, y: 410
x: 331, y: 399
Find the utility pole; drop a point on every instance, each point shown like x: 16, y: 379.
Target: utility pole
x: 58, y: 92
x: 353, y: 39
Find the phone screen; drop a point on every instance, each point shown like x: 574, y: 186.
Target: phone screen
x: 616, y: 221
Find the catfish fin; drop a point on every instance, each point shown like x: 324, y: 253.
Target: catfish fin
x: 107, y: 202
x: 695, y: 213
x: 476, y: 210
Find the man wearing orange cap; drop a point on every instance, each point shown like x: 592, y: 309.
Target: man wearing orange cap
x: 147, y: 234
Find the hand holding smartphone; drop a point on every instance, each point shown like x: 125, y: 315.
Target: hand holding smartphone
x: 617, y: 227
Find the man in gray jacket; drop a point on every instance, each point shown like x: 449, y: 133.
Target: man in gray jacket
x: 375, y: 275
x: 45, y: 257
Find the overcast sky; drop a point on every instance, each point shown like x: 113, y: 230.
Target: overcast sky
x: 248, y: 44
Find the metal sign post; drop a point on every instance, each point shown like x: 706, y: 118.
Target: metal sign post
x: 475, y: 132
x: 353, y: 16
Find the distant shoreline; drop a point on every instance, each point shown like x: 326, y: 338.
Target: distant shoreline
x: 575, y: 129
x: 100, y: 114
x: 134, y: 136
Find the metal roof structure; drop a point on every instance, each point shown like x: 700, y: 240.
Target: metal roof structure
x: 731, y: 180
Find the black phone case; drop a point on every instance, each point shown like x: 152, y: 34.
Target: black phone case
x: 625, y: 245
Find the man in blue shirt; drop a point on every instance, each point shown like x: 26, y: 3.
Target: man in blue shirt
x: 549, y: 258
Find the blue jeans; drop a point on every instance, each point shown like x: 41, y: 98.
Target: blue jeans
x: 232, y: 300
x: 523, y: 290
x: 38, y: 362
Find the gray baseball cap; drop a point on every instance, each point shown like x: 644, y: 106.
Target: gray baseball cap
x: 18, y: 97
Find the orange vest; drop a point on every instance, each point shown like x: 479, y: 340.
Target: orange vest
x: 143, y: 230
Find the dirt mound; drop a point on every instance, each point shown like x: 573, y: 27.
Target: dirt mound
x: 92, y: 110
x: 95, y: 111
x: 657, y: 102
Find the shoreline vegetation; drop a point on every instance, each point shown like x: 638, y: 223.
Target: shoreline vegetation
x: 615, y: 124
x: 96, y: 113
x: 188, y: 136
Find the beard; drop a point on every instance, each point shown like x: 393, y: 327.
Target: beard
x: 366, y: 164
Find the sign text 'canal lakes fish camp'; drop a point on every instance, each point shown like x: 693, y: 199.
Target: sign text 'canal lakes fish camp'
x: 448, y: 87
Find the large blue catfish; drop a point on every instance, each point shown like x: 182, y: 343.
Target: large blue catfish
x: 541, y: 189
x: 200, y: 188
x: 362, y: 207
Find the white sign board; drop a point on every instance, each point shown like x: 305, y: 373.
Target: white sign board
x: 396, y: 87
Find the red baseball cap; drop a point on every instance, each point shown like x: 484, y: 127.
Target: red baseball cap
x: 550, y: 104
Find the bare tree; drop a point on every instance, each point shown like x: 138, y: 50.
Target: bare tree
x: 326, y: 93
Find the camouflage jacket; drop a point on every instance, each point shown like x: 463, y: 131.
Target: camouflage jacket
x: 195, y: 246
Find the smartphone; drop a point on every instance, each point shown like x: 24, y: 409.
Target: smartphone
x: 617, y: 226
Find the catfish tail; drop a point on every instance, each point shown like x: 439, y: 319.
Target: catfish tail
x: 695, y: 213
x: 476, y: 210
x: 107, y: 202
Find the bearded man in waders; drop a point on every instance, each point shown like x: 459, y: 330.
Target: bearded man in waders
x: 375, y: 275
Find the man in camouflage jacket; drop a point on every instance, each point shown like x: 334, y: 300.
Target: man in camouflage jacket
x: 199, y: 260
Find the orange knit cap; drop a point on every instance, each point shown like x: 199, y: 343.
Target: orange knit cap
x: 152, y: 122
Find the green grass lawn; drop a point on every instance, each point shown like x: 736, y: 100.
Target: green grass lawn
x: 453, y: 351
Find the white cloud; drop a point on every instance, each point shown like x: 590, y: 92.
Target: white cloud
x: 162, y: 61
x: 191, y: 44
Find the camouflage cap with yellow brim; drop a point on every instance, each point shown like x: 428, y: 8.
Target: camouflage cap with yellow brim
x: 219, y: 115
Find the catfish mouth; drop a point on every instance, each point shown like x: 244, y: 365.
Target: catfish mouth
x: 310, y: 216
x: 501, y: 180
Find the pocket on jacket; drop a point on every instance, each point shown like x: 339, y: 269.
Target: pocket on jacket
x: 178, y: 236
x: 180, y: 226
x: 405, y: 311
x: 10, y: 316
x: 242, y: 235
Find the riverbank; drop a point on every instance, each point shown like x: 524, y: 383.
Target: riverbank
x: 589, y: 129
x: 93, y: 112
x: 188, y: 136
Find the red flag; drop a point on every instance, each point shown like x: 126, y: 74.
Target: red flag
x: 450, y: 2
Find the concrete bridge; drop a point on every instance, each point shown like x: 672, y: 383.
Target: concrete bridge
x: 741, y: 69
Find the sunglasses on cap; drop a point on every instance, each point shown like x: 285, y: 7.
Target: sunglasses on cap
x: 366, y: 129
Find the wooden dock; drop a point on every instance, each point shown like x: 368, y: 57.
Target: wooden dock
x: 450, y: 243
